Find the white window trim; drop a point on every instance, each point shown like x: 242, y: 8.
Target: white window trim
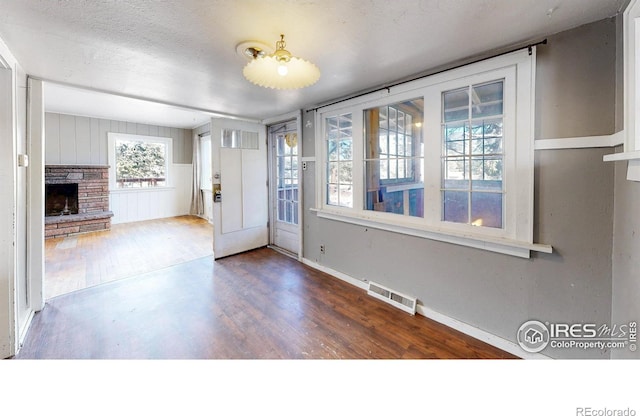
x: 111, y: 141
x: 517, y: 237
x: 514, y: 194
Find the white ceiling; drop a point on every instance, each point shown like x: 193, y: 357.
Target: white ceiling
x: 77, y: 101
x: 183, y: 53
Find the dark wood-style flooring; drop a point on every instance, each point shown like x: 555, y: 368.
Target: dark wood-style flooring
x: 256, y: 305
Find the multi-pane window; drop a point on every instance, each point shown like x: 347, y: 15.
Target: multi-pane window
x: 395, y: 145
x: 394, y: 158
x: 287, y: 177
x: 140, y: 163
x: 339, y: 150
x: 472, y: 155
x: 448, y: 157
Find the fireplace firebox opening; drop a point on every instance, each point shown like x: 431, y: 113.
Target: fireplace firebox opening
x: 61, y: 199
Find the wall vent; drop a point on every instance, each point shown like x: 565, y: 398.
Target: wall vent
x: 404, y: 302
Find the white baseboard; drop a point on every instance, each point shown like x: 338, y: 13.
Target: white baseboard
x: 25, y: 328
x: 477, y: 333
x: 353, y: 281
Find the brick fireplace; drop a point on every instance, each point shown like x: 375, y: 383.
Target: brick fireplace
x: 76, y: 199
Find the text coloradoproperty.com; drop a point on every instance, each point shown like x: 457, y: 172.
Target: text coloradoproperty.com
x: 589, y: 344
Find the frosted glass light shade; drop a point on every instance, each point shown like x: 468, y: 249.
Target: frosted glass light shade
x: 263, y: 71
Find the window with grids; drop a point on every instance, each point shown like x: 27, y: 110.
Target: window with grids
x: 287, y: 177
x: 395, y: 144
x: 394, y: 158
x: 339, y: 150
x: 472, y: 155
x: 448, y: 157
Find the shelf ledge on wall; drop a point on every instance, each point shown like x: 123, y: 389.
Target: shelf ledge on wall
x: 614, y: 157
x: 633, y: 168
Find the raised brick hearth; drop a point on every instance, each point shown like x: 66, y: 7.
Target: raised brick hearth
x: 68, y: 213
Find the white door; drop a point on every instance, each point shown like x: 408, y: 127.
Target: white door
x: 284, y: 162
x: 239, y: 162
x: 7, y: 212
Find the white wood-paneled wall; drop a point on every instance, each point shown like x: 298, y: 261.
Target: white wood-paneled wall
x: 83, y: 140
x: 149, y: 204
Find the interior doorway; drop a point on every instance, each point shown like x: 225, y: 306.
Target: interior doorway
x: 284, y: 195
x: 151, y: 225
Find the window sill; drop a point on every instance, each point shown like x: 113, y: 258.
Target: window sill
x: 495, y: 244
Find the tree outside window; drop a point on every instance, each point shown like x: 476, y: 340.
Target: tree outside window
x: 140, y: 164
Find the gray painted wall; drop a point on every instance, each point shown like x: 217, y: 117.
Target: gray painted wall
x: 573, y: 212
x: 83, y: 140
x: 576, y: 82
x: 626, y: 253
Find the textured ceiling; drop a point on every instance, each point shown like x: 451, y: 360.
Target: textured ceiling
x: 183, y: 53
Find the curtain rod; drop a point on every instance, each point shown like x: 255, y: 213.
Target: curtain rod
x: 388, y: 87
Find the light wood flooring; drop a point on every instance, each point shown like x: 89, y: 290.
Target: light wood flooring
x: 256, y: 305
x: 85, y: 260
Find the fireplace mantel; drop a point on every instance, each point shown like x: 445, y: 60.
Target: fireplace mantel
x: 54, y: 166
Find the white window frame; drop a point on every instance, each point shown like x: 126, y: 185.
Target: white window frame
x: 357, y: 148
x: 277, y: 178
x: 516, y: 236
x: 514, y: 184
x: 111, y: 141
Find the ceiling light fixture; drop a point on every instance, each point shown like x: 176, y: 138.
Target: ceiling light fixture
x: 281, y: 70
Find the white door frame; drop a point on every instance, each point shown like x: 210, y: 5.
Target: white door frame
x: 297, y: 116
x: 35, y: 194
x: 8, y: 324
